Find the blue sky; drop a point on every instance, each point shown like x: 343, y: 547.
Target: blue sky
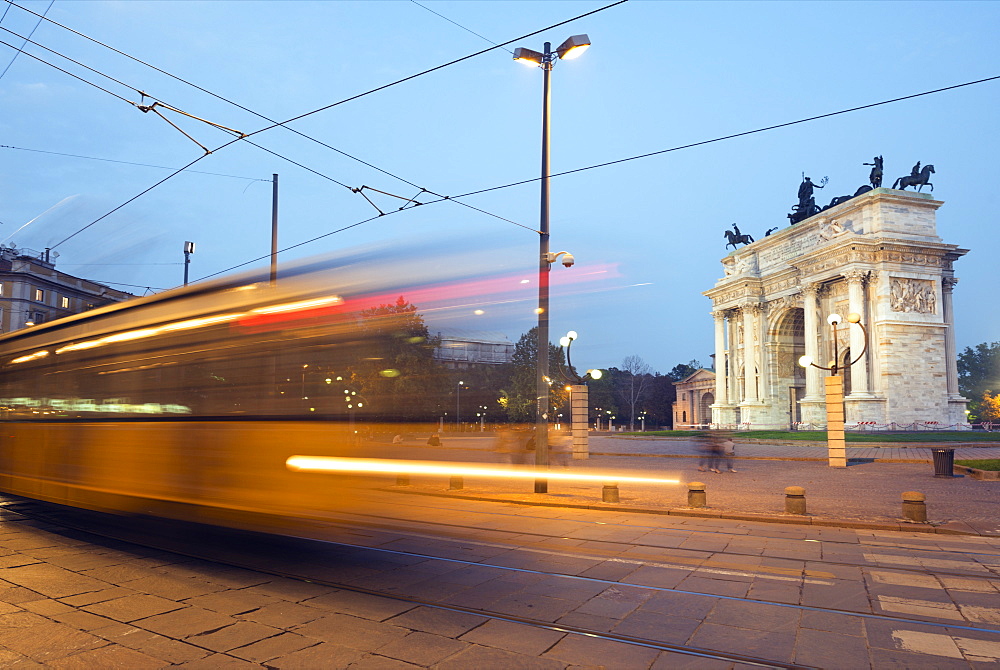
x: 659, y: 75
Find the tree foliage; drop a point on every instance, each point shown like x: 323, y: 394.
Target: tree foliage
x: 398, y: 376
x: 682, y: 371
x: 519, y: 395
x: 978, y: 374
x: 989, y: 407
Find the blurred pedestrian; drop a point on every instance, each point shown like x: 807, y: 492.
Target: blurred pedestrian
x: 728, y: 446
x: 560, y: 448
x: 707, y: 454
x: 510, y: 445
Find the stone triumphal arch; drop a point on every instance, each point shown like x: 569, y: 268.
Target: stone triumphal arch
x: 878, y: 255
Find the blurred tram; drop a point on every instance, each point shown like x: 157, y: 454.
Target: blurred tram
x: 186, y: 404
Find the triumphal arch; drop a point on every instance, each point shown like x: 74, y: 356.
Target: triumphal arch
x: 877, y: 254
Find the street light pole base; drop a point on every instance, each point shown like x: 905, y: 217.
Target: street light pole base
x: 541, y: 486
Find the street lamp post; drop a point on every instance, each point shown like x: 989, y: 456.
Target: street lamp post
x: 579, y: 399
x: 571, y: 48
x: 188, y: 250
x: 834, y: 386
x: 458, y: 407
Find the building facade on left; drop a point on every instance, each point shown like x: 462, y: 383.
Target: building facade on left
x: 32, y: 291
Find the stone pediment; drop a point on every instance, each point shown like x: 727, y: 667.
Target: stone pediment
x: 700, y: 375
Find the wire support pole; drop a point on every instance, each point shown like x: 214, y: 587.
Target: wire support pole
x: 542, y: 372
x: 274, y: 230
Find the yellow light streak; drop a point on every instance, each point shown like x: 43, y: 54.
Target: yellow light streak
x: 391, y: 466
x: 31, y: 357
x: 296, y: 306
x: 141, y: 333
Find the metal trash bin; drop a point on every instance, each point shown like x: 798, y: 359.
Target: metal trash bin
x: 944, y: 462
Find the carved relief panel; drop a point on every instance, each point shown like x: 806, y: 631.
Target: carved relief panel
x: 912, y: 295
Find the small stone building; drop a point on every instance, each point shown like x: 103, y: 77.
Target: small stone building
x: 878, y: 255
x: 695, y: 397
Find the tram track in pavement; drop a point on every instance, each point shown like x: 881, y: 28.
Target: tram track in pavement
x: 692, y: 564
x: 238, y: 559
x: 82, y: 521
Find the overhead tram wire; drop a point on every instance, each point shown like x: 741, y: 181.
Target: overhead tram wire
x: 21, y: 49
x: 727, y: 137
x: 283, y: 124
x: 315, y: 111
x: 300, y: 165
x: 456, y: 23
x: 112, y: 160
x: 216, y: 95
x: 647, y: 155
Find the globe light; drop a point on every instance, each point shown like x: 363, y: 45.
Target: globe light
x: 805, y: 361
x: 833, y: 319
x: 854, y: 317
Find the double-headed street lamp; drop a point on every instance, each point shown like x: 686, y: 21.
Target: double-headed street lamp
x: 571, y: 48
x: 834, y: 386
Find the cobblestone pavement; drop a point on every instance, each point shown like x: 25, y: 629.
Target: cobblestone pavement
x: 847, y: 594
x: 828, y: 598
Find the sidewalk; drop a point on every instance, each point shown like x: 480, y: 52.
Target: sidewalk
x: 866, y: 494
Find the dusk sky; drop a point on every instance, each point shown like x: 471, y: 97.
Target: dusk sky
x: 660, y: 75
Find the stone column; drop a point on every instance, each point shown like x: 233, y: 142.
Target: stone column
x: 856, y: 301
x: 734, y: 359
x: 749, y: 354
x: 810, y: 309
x: 720, y: 358
x: 950, y: 355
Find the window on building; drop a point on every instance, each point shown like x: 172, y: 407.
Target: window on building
x: 64, y: 302
x: 39, y: 295
x: 1, y: 289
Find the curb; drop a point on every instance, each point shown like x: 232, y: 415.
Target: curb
x: 767, y: 458
x: 900, y: 526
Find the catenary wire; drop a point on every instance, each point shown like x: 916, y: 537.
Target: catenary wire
x: 20, y: 50
x: 75, y: 76
x: 434, y: 69
x: 142, y: 93
x: 647, y: 155
x: 315, y: 111
x: 456, y: 24
x: 111, y: 160
x: 282, y: 124
x: 733, y: 136
x: 28, y: 40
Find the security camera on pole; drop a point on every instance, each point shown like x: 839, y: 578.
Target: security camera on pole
x: 571, y: 48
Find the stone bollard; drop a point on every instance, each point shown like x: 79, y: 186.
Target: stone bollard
x: 610, y: 493
x: 696, y: 494
x: 455, y: 484
x: 402, y: 480
x: 795, y: 500
x: 914, y: 507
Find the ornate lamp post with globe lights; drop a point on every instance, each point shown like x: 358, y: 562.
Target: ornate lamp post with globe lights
x: 578, y: 399
x: 834, y: 385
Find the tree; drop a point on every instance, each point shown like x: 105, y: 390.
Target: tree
x: 398, y: 375
x: 519, y: 396
x: 682, y: 371
x: 978, y: 374
x: 989, y: 407
x: 633, y: 383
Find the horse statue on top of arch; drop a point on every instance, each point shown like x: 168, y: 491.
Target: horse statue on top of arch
x: 736, y: 237
x: 919, y: 180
